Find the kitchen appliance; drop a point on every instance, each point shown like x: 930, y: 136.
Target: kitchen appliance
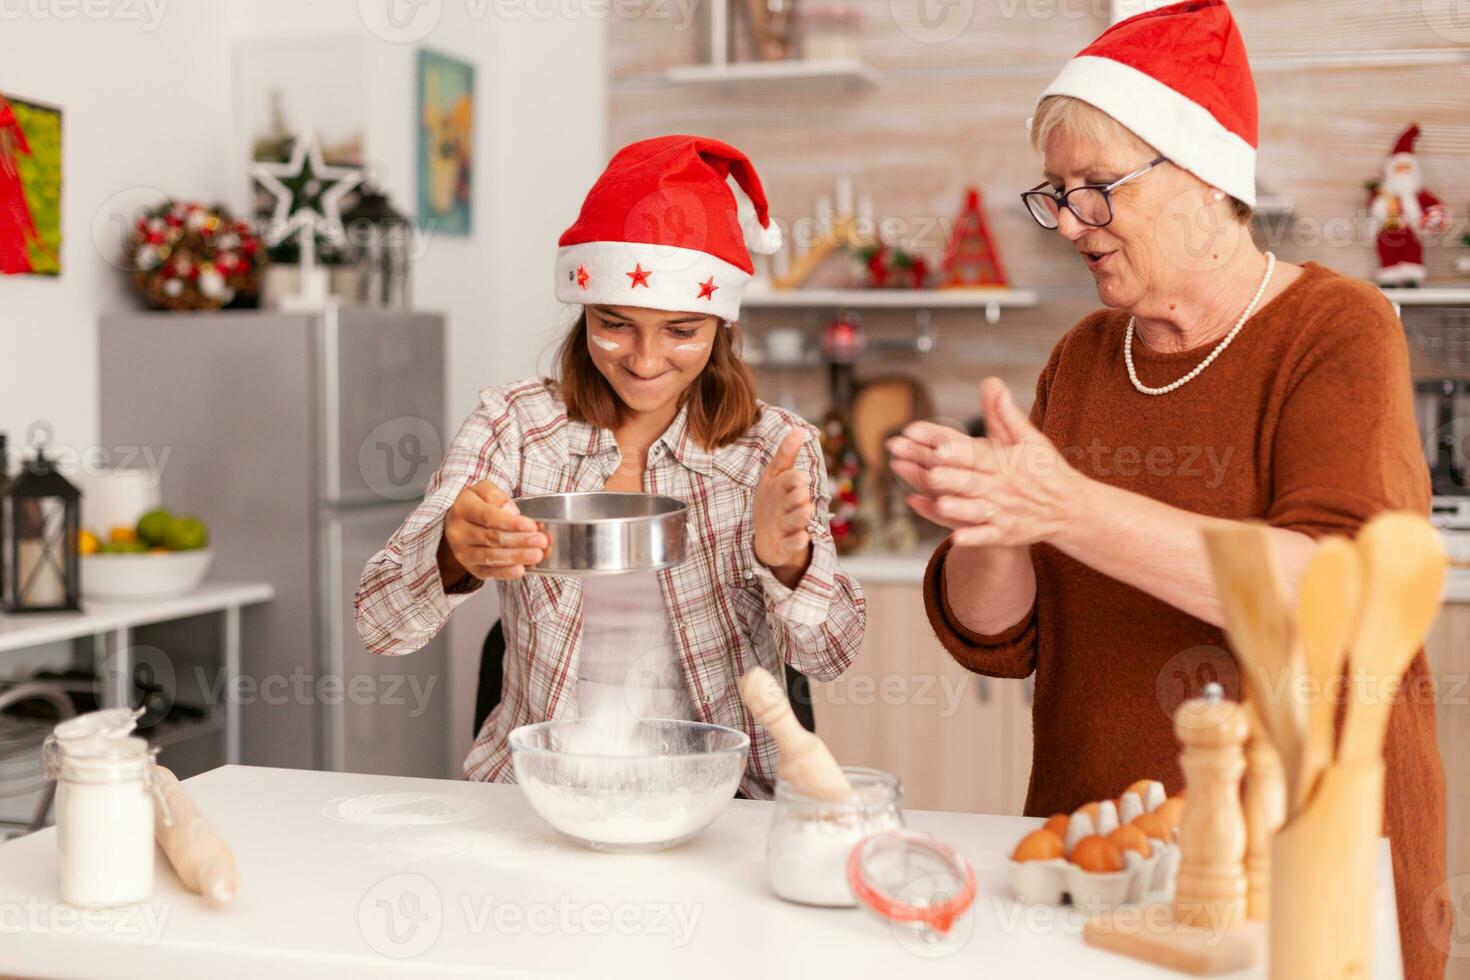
x: 304, y: 440
x: 646, y: 786
x: 607, y: 533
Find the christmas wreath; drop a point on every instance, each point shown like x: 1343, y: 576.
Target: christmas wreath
x: 185, y: 256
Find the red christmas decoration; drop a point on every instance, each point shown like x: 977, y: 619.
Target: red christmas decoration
x: 972, y: 261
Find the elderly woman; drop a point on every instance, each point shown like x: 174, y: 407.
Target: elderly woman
x: 1218, y: 385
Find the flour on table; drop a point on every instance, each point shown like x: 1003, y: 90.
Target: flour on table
x: 402, y: 809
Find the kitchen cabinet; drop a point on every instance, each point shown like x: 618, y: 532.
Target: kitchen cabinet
x: 958, y: 741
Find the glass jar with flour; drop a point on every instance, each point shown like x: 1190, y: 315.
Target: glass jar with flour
x: 810, y: 838
x: 104, y: 818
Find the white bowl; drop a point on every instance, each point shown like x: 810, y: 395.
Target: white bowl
x: 121, y: 578
x: 644, y: 788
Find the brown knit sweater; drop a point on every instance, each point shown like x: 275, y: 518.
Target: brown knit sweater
x: 1305, y: 422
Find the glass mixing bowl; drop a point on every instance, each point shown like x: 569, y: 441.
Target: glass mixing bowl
x: 639, y: 786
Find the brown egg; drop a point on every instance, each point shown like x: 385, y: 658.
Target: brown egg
x: 1154, y: 826
x: 1130, y: 838
x: 1096, y: 853
x: 1057, y: 824
x: 1091, y: 810
x: 1172, y: 810
x: 1039, y: 845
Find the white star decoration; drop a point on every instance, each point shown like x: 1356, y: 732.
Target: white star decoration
x: 297, y: 205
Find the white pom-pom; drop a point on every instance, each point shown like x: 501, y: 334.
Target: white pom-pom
x: 763, y: 240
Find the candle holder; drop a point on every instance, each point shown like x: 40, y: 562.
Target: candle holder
x: 41, y: 516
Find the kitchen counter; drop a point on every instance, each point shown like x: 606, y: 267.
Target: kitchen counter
x: 347, y: 875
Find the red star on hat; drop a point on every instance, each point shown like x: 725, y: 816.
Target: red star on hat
x: 582, y: 276
x: 707, y: 289
x: 638, y: 275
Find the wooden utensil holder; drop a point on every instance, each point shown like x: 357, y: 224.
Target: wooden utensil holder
x: 1323, y: 871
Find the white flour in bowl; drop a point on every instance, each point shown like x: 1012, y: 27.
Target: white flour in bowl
x: 632, y: 819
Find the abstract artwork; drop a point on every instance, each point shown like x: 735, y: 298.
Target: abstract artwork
x: 30, y: 188
x: 446, y: 144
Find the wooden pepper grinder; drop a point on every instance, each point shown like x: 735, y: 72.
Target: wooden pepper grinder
x: 1210, y: 891
x: 1265, y: 812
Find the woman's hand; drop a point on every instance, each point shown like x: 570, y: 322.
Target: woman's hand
x: 1012, y: 488
x: 486, y: 536
x: 782, y: 510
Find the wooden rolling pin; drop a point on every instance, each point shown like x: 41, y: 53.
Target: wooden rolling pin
x: 806, y: 763
x: 203, y: 861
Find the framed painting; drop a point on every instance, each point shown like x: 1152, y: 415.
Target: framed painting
x: 30, y: 188
x: 446, y: 143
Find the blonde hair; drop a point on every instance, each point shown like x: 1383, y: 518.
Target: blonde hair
x: 1081, y: 120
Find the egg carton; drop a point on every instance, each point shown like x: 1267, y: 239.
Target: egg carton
x: 1057, y: 880
x: 1053, y: 881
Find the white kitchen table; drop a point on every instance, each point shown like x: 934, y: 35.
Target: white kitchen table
x: 347, y: 875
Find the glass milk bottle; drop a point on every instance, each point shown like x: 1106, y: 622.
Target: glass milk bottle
x: 104, y: 819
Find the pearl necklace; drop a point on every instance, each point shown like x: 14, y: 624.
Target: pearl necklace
x: 1220, y: 349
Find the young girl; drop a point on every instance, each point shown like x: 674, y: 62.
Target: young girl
x: 650, y: 396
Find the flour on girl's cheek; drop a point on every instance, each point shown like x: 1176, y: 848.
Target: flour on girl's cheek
x: 692, y: 348
x: 604, y: 343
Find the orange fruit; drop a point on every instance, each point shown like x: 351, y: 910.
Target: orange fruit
x: 1039, y: 845
x: 1097, y: 854
x: 122, y: 533
x: 1057, y: 824
x: 1129, y: 838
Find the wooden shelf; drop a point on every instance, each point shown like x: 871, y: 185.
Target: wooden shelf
x: 1458, y: 295
x: 989, y: 300
x: 888, y: 299
x: 840, y: 73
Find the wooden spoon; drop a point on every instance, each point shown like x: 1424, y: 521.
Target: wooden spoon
x: 1403, y: 568
x: 806, y: 762
x: 1327, y: 616
x: 1258, y: 622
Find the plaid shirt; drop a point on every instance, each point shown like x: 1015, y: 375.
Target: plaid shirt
x: 726, y: 609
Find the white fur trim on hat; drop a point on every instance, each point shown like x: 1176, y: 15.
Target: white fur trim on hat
x: 673, y: 278
x: 1179, y: 128
x: 759, y: 239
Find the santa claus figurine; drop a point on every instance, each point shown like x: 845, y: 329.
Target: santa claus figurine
x: 1402, y: 212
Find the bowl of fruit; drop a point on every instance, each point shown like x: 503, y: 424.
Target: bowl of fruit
x: 163, y: 555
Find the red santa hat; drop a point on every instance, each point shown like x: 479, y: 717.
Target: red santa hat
x: 669, y: 225
x: 1406, y: 140
x: 1177, y: 77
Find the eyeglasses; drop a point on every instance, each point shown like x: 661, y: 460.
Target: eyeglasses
x: 1091, y: 204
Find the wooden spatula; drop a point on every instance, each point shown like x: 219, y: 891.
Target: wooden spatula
x: 1258, y: 622
x: 806, y: 762
x: 1403, y: 568
x: 1327, y: 617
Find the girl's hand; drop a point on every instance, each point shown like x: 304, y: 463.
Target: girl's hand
x: 782, y: 510
x: 1011, y: 489
x: 486, y: 536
